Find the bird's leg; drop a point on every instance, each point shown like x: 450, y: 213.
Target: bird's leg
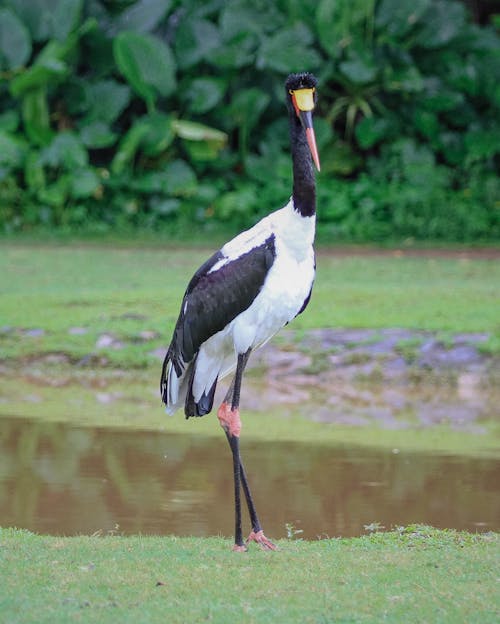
x: 230, y: 421
x: 239, y: 544
x: 257, y: 534
x: 229, y: 418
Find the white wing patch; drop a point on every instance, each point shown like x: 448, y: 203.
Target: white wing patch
x: 245, y: 242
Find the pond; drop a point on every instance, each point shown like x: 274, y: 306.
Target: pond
x: 64, y: 480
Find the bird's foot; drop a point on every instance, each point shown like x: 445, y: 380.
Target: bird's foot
x: 229, y: 419
x: 261, y: 540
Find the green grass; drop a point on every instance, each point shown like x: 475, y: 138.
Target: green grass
x: 417, y: 574
x: 124, y: 290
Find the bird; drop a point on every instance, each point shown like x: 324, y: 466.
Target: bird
x: 242, y: 295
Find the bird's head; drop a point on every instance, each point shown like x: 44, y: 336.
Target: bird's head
x: 302, y: 96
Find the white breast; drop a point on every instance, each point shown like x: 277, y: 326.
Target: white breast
x: 285, y: 289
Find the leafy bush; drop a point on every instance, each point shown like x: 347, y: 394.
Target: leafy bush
x: 169, y: 114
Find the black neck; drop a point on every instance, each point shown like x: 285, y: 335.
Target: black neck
x: 304, y: 186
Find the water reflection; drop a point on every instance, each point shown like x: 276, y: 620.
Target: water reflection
x: 64, y: 480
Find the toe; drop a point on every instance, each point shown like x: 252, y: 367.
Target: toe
x: 261, y: 540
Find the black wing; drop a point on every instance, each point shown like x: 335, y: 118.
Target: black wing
x: 214, y: 298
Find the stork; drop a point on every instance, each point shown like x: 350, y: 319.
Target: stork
x: 241, y: 296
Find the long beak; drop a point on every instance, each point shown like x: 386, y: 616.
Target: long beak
x: 306, y: 120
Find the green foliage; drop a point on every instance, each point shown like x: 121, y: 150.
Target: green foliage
x: 103, y: 105
x: 147, y: 64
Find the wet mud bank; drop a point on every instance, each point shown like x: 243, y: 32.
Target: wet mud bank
x: 388, y: 378
x: 394, y: 378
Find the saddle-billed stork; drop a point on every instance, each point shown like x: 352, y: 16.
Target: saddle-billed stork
x: 241, y: 296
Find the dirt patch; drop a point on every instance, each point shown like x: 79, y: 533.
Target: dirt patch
x: 395, y: 378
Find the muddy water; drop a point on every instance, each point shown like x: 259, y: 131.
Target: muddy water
x: 63, y: 480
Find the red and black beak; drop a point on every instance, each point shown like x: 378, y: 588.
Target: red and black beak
x: 306, y: 120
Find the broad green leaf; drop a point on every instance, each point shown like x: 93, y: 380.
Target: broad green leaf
x: 33, y: 14
x: 203, y: 151
x: 147, y: 63
x: 48, y: 19
x: 194, y: 40
x: 331, y: 30
x: 149, y: 183
x: 398, y: 18
x: 142, y: 16
x: 438, y: 98
x: 240, y: 52
x: 406, y: 79
x: 128, y: 146
x: 180, y: 179
x: 258, y: 168
x: 97, y: 134
x: 66, y: 151
x: 55, y: 194
x: 99, y: 53
x: 107, y: 99
x: 203, y: 94
x: 9, y: 120
x: 444, y: 21
x: 427, y: 123
x: 152, y: 134
x: 339, y: 158
x: 15, y: 41
x: 164, y: 207
x: 13, y: 150
x: 288, y: 50
x: 241, y: 18
x: 193, y: 131
x: 230, y: 204
x: 38, y: 76
x: 34, y: 173
x: 247, y: 106
x: 359, y: 68
x: 49, y: 66
x: 64, y: 17
x: 482, y: 144
x: 177, y: 178
x: 452, y: 146
x: 77, y: 100
x: 418, y: 162
x: 35, y: 114
x: 59, y: 50
x: 83, y: 183
x: 463, y: 75
x: 159, y: 135
x: 323, y: 131
x: 370, y: 131
x: 339, y: 23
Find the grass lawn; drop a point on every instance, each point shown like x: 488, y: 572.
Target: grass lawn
x: 417, y: 574
x: 125, y: 290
